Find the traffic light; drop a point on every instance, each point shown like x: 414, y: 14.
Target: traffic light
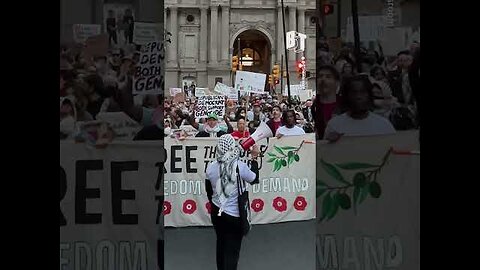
x: 276, y: 71
x: 277, y: 81
x: 327, y: 9
x: 300, y: 68
x: 234, y: 63
x: 270, y: 79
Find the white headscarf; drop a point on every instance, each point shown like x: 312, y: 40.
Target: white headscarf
x: 227, y: 157
x: 67, y: 124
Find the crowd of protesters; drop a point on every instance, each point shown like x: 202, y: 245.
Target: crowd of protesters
x: 366, y: 95
x: 102, y: 84
x: 381, y: 98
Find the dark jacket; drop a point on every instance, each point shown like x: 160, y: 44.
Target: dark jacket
x: 305, y: 114
x: 204, y: 134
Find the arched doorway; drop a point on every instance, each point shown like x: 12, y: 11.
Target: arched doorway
x: 256, y: 51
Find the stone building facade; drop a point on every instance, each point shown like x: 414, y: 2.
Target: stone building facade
x: 205, y: 37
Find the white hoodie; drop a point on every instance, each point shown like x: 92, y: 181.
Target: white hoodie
x: 67, y: 124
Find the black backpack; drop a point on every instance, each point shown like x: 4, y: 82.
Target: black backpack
x: 402, y: 118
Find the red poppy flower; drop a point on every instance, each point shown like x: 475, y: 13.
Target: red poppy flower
x: 167, y: 207
x: 257, y: 205
x: 300, y: 203
x: 209, y: 207
x: 280, y: 204
x: 189, y: 206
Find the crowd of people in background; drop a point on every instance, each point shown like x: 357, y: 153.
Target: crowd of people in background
x: 380, y: 99
x: 390, y: 86
x: 102, y: 84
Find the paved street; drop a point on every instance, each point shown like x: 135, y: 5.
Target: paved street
x: 282, y: 246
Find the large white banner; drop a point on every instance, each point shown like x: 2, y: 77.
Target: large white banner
x: 144, y: 33
x: 110, y: 206
x: 250, y: 82
x: 368, y: 203
x: 286, y: 191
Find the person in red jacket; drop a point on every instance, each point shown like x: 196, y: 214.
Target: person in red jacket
x: 276, y: 121
x: 241, y: 131
x: 326, y: 103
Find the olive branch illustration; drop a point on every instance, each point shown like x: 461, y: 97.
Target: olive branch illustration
x: 288, y: 154
x: 364, y: 182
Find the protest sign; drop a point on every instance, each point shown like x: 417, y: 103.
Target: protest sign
x: 226, y: 90
x: 149, y: 78
x: 144, y: 33
x: 83, y: 31
x: 179, y: 97
x: 96, y: 46
x: 199, y: 92
x: 368, y: 200
x: 295, y: 90
x: 174, y: 91
x: 250, y: 82
x: 110, y: 206
x: 177, y: 94
x: 304, y: 95
x: 210, y: 104
x: 285, y: 192
x: 123, y: 126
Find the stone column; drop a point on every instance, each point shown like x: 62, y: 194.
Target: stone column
x: 172, y: 47
x: 213, y: 34
x: 225, y: 33
x: 203, y: 34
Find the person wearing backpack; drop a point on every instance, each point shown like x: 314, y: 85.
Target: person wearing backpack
x: 223, y: 193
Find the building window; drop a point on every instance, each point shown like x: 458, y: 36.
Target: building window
x: 190, y: 46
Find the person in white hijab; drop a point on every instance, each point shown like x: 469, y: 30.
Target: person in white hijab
x: 68, y: 116
x: 222, y: 174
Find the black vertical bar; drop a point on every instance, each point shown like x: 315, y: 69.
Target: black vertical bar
x: 356, y: 34
x: 286, y: 53
x: 281, y: 75
x: 239, y: 53
x: 339, y: 18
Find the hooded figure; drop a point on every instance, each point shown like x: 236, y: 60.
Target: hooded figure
x: 68, y: 116
x: 227, y: 158
x: 222, y: 175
